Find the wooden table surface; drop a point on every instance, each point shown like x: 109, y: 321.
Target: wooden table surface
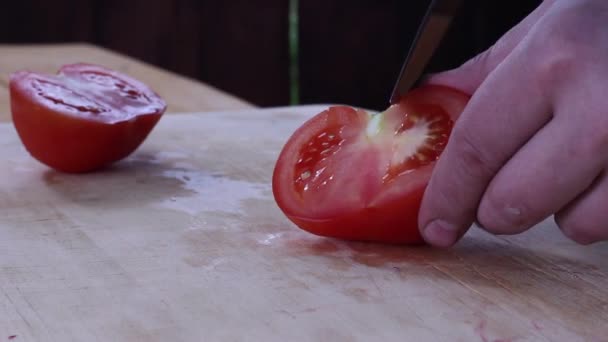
x: 183, y: 241
x: 182, y: 94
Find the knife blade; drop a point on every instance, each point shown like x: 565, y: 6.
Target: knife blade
x: 431, y: 31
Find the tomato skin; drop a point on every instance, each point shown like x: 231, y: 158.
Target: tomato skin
x: 81, y: 142
x: 358, y: 204
x: 392, y: 223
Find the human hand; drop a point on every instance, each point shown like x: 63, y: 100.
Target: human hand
x: 533, y: 140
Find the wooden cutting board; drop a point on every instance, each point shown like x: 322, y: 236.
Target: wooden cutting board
x: 183, y: 242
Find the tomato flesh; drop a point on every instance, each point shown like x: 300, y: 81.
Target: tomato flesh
x: 350, y: 174
x: 83, y: 118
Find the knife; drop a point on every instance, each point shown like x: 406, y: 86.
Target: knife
x: 433, y: 27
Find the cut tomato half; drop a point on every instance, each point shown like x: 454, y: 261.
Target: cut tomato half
x: 351, y: 174
x: 83, y: 118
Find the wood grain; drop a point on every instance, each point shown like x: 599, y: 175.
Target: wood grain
x: 181, y: 93
x: 183, y: 242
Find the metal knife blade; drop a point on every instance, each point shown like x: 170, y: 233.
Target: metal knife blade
x: 433, y: 27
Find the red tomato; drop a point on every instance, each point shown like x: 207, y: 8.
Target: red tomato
x: 348, y: 174
x: 84, y: 118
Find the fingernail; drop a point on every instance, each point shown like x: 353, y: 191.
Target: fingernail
x: 440, y: 233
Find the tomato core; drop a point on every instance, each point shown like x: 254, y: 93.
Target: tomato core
x: 419, y: 139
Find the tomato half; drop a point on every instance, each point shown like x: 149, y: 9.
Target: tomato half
x: 350, y: 174
x: 83, y: 118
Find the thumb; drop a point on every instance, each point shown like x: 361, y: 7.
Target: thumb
x: 470, y: 75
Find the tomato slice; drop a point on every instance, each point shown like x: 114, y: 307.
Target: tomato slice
x: 83, y: 118
x: 350, y: 174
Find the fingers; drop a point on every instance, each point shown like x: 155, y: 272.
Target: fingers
x: 471, y: 74
x: 551, y: 170
x: 511, y: 161
x: 502, y: 115
x: 585, y: 220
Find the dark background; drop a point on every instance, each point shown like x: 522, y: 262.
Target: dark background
x: 349, y: 51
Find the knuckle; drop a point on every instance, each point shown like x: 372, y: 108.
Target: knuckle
x: 594, y: 143
x: 480, y: 63
x: 473, y: 158
x: 486, y: 61
x: 559, y: 50
x: 557, y: 60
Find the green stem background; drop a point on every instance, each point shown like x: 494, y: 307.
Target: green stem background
x: 293, y: 53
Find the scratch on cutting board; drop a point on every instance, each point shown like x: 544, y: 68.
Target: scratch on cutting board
x: 47, y: 219
x: 480, y: 329
x: 29, y: 304
x: 473, y: 289
x: 18, y: 311
x: 294, y: 315
x: 559, y: 279
x: 287, y: 313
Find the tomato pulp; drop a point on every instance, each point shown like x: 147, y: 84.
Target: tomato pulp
x: 354, y: 175
x: 83, y: 118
